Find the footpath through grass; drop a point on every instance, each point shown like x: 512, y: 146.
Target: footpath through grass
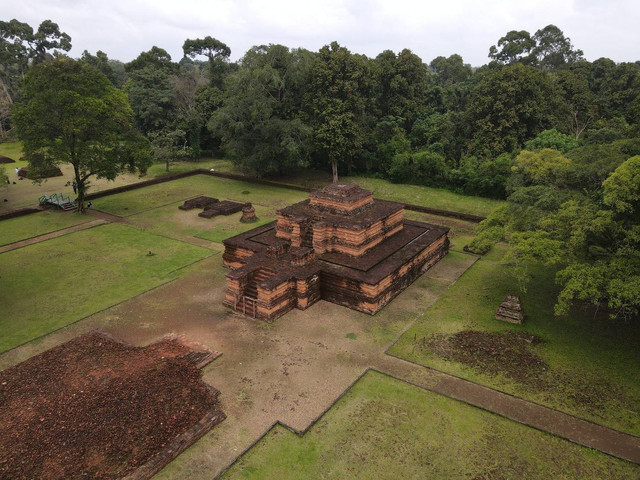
x: 50, y: 284
x: 387, y: 429
x: 21, y: 228
x: 584, y: 365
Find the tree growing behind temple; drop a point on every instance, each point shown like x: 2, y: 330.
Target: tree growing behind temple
x: 259, y: 122
x: 337, y: 101
x: 71, y: 113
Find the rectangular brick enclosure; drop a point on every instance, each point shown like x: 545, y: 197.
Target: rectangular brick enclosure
x: 341, y: 245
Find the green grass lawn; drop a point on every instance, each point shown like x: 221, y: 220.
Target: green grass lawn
x: 593, y: 363
x: 147, y: 198
x: 387, y: 429
x: 12, y: 150
x: 20, y: 228
x: 173, y: 222
x: 218, y: 164
x: 427, y: 196
x: 53, y: 283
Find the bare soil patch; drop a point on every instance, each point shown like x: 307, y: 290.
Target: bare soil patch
x: 507, y: 353
x: 511, y: 354
x: 97, y: 408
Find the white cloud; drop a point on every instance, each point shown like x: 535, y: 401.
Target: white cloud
x: 123, y: 29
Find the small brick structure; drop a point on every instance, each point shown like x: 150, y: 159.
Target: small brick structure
x: 510, y: 310
x: 225, y: 207
x: 248, y: 214
x: 198, y: 202
x: 340, y: 245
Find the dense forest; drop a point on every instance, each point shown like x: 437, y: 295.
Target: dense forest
x: 539, y: 125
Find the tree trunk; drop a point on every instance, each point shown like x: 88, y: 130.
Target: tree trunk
x: 167, y: 164
x: 80, y: 208
x: 334, y: 170
x: 6, y: 92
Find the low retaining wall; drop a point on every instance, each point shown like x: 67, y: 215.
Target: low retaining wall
x: 19, y: 213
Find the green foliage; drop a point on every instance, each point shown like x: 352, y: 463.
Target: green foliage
x: 552, y: 139
x: 451, y: 70
x: 217, y: 53
x: 155, y: 59
x: 258, y: 121
x: 509, y: 106
x: 546, y: 167
x: 336, y: 103
x: 100, y: 61
x: 516, y: 46
x: 71, y: 113
x: 420, y: 168
x: 485, y: 177
x: 21, y: 48
x: 149, y: 91
x: 400, y: 83
x: 553, y: 50
x: 548, y: 49
x: 621, y: 191
x: 560, y: 217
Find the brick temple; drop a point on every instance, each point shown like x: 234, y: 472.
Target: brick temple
x: 340, y: 245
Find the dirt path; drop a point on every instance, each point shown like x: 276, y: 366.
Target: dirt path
x: 48, y: 236
x: 294, y: 370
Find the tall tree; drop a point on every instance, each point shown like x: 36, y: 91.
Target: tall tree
x: 217, y: 53
x: 337, y: 100
x: 101, y: 62
x: 21, y: 47
x: 451, y: 69
x: 259, y: 122
x: 71, y: 113
x: 149, y: 88
x: 517, y: 47
x: 553, y: 50
x: 401, y: 82
x: 510, y: 105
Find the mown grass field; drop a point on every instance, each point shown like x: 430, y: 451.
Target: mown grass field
x: 53, y: 283
x: 166, y: 194
x: 386, y: 429
x: 20, y: 228
x: 427, y: 196
x: 592, y: 362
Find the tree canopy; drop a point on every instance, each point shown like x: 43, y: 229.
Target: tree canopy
x: 71, y: 113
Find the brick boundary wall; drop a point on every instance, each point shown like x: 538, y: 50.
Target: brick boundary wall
x: 19, y: 213
x: 230, y: 176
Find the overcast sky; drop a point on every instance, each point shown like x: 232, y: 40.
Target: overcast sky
x: 124, y: 28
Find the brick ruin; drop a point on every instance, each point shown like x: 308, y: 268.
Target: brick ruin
x: 340, y: 245
x: 212, y: 207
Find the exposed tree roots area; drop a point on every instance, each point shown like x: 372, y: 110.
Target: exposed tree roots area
x: 97, y: 408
